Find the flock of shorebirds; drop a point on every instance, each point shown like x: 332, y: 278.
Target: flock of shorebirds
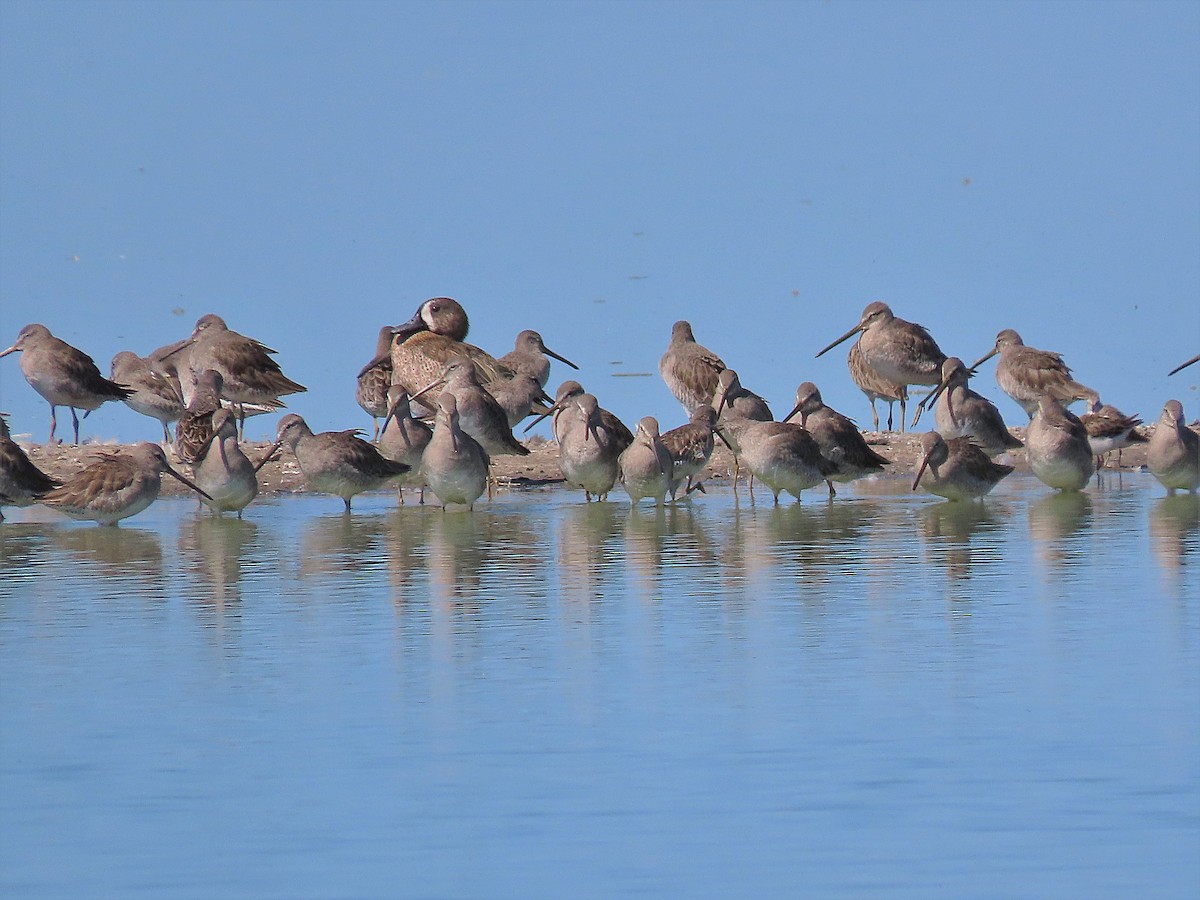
x: 424, y: 372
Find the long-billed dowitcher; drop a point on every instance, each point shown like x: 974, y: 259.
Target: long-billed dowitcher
x: 1110, y: 429
x: 646, y: 465
x: 154, y: 394
x: 478, y: 412
x: 689, y: 369
x: 731, y: 399
x: 404, y: 439
x: 899, y: 351
x: 519, y: 396
x: 195, y: 428
x: 454, y: 463
x: 588, y: 447
x: 1057, y: 445
x: 838, y: 437
x: 876, y: 387
x: 62, y: 374
x: 1182, y: 366
x: 1026, y: 374
x: 1173, y: 456
x: 961, y: 412
x: 566, y: 393
x: 248, y: 373
x: 782, y: 455
x: 116, y: 486
x: 334, y: 462
x: 690, y: 447
x: 21, y: 482
x: 371, y: 391
x: 958, y: 469
x: 528, y: 356
x: 222, y: 470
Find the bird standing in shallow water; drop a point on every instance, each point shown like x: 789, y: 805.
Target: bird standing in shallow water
x: 1027, y: 374
x: 961, y: 412
x: 1057, y: 446
x: 646, y: 465
x: 479, y: 414
x: 782, y: 455
x: 1110, y: 429
x: 334, y: 462
x: 62, y: 374
x: 588, y: 445
x: 222, y: 470
x: 690, y: 447
x: 21, y: 482
x: 690, y: 370
x: 455, y: 464
x: 841, y: 443
x: 404, y: 439
x: 957, y: 468
x: 116, y: 486
x: 1173, y: 456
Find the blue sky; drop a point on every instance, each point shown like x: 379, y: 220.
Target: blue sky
x: 311, y: 171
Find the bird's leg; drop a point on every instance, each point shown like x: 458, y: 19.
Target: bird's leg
x: 75, y: 422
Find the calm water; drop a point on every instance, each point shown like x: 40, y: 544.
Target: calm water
x: 888, y: 697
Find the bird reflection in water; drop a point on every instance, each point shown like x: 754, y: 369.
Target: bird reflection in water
x: 1175, y: 535
x: 347, y: 547
x: 588, y: 553
x: 117, y: 553
x: 215, y: 550
x: 950, y: 531
x: 1055, y: 521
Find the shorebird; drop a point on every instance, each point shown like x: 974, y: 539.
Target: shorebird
x: 901, y: 352
x: 116, y: 486
x: 423, y: 345
x: 689, y: 369
x: 733, y: 400
x: 690, y: 447
x: 1057, y: 446
x: 248, y: 373
x: 1181, y: 366
x: 528, y: 356
x: 646, y: 465
x: 958, y: 469
x: 961, y: 412
x: 195, y: 428
x: 21, y: 482
x: 479, y: 414
x: 841, y: 443
x: 1110, y: 429
x: 1173, y: 456
x: 154, y: 394
x: 404, y: 439
x: 334, y: 462
x: 518, y: 395
x: 783, y: 455
x: 876, y: 387
x: 63, y: 375
x: 455, y: 465
x: 588, y: 446
x: 374, y: 381
x: 222, y: 470
x: 566, y: 392
x: 1026, y: 374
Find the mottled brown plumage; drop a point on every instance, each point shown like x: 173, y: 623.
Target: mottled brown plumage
x: 195, y: 428
x: 479, y: 414
x: 1110, y: 429
x: 690, y: 447
x: 1057, y: 447
x: 899, y: 351
x: 529, y: 356
x: 154, y: 394
x: 1026, y: 374
x: 371, y: 391
x: 961, y: 412
x: 838, y: 437
x: 21, y: 482
x: 690, y: 370
x: 876, y: 387
x: 957, y: 468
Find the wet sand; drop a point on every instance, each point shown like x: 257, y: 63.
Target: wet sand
x: 282, y: 475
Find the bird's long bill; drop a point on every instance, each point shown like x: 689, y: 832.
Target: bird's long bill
x: 427, y: 389
x: 267, y: 456
x: 979, y: 362
x: 921, y: 471
x: 14, y: 348
x: 795, y: 409
x: 547, y: 414
x: 180, y: 345
x: 724, y: 440
x: 180, y: 478
x: 561, y: 359
x: 1179, y: 368
x: 845, y: 337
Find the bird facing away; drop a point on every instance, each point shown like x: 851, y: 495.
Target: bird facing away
x: 21, y: 482
x: 154, y: 394
x: 195, y: 428
x: 841, y: 443
x: 529, y: 357
x: 957, y: 468
x: 1057, y: 445
x: 455, y: 465
x: 690, y: 447
x: 334, y: 462
x: 1182, y: 366
x: 404, y: 439
x: 1173, y: 456
x: 63, y: 375
x: 646, y: 466
x: 478, y: 412
x: 689, y: 369
x: 901, y: 352
x: 588, y: 445
x: 116, y: 486
x: 222, y: 470
x: 876, y: 387
x: 371, y: 391
x: 1026, y: 374
x: 961, y: 412
x: 782, y: 455
x: 1110, y: 429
